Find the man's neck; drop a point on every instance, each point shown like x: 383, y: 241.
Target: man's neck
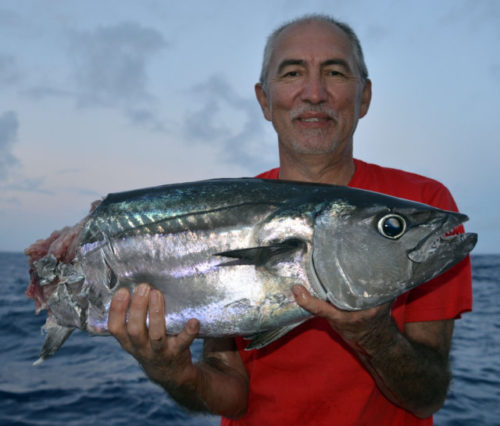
x: 334, y: 170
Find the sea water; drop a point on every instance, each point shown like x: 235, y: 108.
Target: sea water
x: 92, y: 381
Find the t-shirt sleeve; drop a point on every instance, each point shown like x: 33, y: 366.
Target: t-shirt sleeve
x: 450, y: 294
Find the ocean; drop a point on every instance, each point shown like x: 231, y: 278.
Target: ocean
x: 91, y: 380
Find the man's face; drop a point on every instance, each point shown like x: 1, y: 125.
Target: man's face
x: 314, y: 94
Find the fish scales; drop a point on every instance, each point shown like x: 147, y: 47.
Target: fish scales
x: 229, y: 251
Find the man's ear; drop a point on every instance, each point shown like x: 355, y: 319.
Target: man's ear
x: 263, y: 101
x: 366, y: 98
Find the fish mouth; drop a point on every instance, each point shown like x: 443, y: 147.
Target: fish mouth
x: 446, y: 243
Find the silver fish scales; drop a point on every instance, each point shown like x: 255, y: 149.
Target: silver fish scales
x: 228, y: 252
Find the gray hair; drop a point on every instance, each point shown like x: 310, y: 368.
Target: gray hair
x: 351, y: 35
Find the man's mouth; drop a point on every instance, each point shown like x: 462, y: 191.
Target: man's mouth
x: 313, y: 119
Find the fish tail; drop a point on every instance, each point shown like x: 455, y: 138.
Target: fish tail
x: 56, y: 336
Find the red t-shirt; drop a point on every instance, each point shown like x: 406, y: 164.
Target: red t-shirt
x: 310, y: 377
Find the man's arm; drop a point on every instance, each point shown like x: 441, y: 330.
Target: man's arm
x: 410, y: 368
x: 218, y: 384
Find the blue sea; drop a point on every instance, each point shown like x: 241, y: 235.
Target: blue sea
x: 92, y: 381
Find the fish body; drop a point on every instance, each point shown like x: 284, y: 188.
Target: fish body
x: 228, y: 252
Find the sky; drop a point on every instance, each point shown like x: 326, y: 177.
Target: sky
x: 105, y: 96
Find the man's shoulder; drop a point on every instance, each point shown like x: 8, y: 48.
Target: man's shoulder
x: 269, y: 174
x: 401, y: 183
x: 392, y: 181
x: 395, y: 174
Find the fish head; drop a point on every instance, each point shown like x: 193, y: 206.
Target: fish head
x: 368, y: 253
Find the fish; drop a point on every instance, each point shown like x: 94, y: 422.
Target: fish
x: 229, y: 251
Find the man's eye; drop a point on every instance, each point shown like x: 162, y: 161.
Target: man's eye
x: 335, y: 73
x: 291, y: 74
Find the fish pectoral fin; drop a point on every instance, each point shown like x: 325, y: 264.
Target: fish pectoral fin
x: 262, y: 254
x: 56, y: 336
x: 263, y: 339
x: 240, y: 304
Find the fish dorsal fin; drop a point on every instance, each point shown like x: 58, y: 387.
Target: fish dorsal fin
x: 261, y: 340
x: 261, y: 255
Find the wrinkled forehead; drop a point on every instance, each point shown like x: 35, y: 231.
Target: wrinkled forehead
x: 312, y: 42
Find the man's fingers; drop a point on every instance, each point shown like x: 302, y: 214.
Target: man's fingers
x: 135, y: 335
x: 184, y: 339
x: 156, y: 320
x: 312, y: 304
x: 117, y: 320
x: 137, y: 314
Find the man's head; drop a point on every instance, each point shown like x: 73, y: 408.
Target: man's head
x: 314, y: 86
x: 349, y: 32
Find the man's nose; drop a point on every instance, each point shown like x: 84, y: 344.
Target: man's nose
x: 314, y: 90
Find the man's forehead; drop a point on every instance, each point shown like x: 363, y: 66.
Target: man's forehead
x: 313, y: 38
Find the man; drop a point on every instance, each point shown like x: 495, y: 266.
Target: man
x: 385, y: 365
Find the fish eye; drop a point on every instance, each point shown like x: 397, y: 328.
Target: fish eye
x: 392, y: 226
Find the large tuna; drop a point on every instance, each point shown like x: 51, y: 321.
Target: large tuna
x: 228, y: 252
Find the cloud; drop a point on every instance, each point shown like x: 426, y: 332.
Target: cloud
x: 110, y: 68
x: 9, y: 71
x: 9, y: 19
x: 68, y: 171
x: 232, y: 124
x: 33, y: 185
x: 9, y: 126
x: 145, y: 116
x: 9, y: 202
x: 476, y: 15
x: 495, y: 70
x: 83, y: 191
x: 40, y: 92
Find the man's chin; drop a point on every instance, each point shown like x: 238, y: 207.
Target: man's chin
x: 314, y: 147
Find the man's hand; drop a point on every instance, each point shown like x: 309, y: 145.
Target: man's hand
x: 355, y: 327
x: 410, y: 368
x: 165, y: 359
x: 218, y: 384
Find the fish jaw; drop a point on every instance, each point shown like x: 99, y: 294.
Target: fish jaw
x: 443, y: 248
x: 443, y: 240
